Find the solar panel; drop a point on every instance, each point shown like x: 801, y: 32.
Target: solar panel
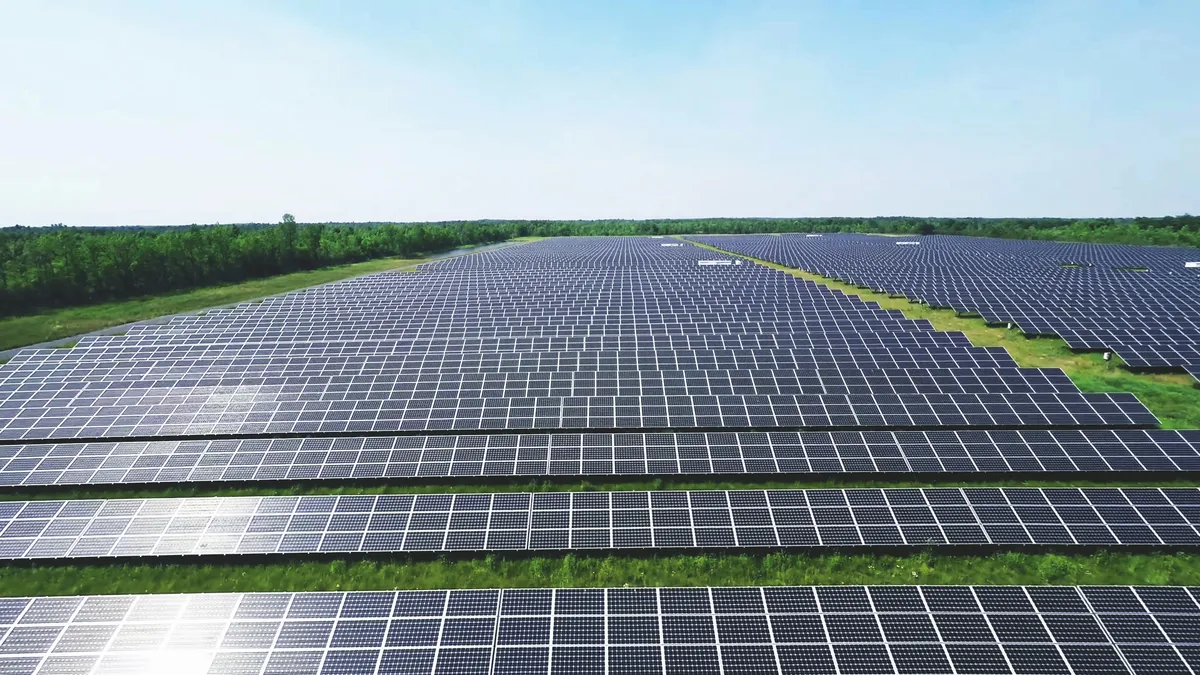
x: 379, y: 358
x: 364, y: 524
x: 406, y: 386
x: 784, y: 630
x: 262, y: 412
x: 420, y: 457
x: 1139, y: 302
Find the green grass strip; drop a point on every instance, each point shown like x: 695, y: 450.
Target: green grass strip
x: 319, y: 487
x: 608, y: 571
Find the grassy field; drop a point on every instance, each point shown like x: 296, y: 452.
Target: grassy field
x: 1173, y: 397
x: 27, y: 330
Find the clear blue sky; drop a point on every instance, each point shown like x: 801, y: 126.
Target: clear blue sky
x: 145, y: 112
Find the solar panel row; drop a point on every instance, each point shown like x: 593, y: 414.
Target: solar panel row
x: 85, y: 394
x: 261, y: 411
x: 398, y: 457
x: 658, y: 382
x: 278, y: 344
x: 823, y: 630
x: 599, y: 520
x: 316, y: 364
x: 363, y: 359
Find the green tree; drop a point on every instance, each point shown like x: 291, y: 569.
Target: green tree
x: 61, y: 266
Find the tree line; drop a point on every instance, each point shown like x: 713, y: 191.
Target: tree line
x: 43, y: 268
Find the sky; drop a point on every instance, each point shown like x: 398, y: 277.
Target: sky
x: 138, y: 112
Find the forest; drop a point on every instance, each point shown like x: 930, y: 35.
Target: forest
x: 47, y: 267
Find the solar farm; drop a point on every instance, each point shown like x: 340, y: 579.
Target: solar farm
x: 492, y: 406
x: 1139, y: 303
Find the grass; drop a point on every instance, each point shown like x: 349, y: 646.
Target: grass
x: 52, y: 325
x: 1172, y: 397
x: 606, y: 571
